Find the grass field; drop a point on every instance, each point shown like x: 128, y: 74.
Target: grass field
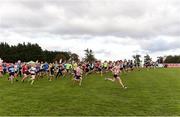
x: 154, y: 92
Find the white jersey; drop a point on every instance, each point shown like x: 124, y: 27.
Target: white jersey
x: 116, y: 70
x: 121, y: 65
x: 32, y: 70
x: 15, y: 67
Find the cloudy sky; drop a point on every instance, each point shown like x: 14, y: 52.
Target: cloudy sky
x: 113, y: 29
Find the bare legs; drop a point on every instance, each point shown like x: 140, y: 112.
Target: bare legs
x: 118, y: 79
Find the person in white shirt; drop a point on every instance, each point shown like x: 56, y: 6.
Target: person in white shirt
x: 32, y: 71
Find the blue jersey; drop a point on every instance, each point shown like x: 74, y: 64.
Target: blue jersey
x: 46, y: 66
x: 11, y: 69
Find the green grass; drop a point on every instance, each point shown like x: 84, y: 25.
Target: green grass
x: 154, y: 92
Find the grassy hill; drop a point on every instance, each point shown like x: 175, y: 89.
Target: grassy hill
x: 154, y: 92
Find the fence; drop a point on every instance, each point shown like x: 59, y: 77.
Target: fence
x: 172, y: 65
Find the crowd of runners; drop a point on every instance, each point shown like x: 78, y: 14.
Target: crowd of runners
x: 36, y: 70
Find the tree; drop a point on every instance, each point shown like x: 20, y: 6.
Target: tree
x: 160, y: 59
x: 89, y: 56
x: 172, y: 59
x: 52, y: 56
x: 147, y: 59
x: 137, y: 60
x: 27, y: 52
x: 74, y: 57
x: 60, y: 57
x: 4, y: 50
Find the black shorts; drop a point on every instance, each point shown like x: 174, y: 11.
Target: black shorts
x: 27, y: 73
x: 104, y: 67
x: 11, y: 73
x: 110, y: 68
x: 96, y: 68
x: 74, y: 71
x: 121, y: 68
x: 91, y: 68
x: 99, y: 69
x: 115, y: 76
x: 59, y: 72
x: 52, y: 73
x: 38, y: 71
x: 77, y: 77
x: 33, y: 74
x: 87, y: 70
x: 41, y: 70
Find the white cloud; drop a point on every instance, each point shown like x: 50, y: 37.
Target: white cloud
x: 113, y: 29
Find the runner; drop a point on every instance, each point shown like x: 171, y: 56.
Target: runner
x: 116, y: 71
x: 4, y: 68
x: 121, y: 65
x: 1, y: 70
x: 87, y: 68
x: 75, y: 65
x: 25, y: 72
x: 32, y: 71
x: 105, y: 66
x: 125, y: 65
x: 16, y: 72
x: 46, y: 68
x: 98, y: 67
x: 131, y: 65
x: 110, y: 65
x: 19, y: 68
x: 11, y: 73
x: 68, y: 67
x: 38, y: 70
x: 78, y: 75
x: 60, y: 71
x: 51, y: 70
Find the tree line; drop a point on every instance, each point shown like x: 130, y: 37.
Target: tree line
x: 28, y: 52
x: 172, y: 59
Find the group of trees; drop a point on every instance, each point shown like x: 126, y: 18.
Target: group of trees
x: 160, y: 59
x: 172, y: 59
x: 147, y: 59
x: 169, y: 59
x: 137, y: 59
x: 27, y: 52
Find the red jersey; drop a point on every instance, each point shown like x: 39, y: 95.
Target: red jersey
x: 8, y: 64
x: 24, y: 68
x: 1, y: 68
